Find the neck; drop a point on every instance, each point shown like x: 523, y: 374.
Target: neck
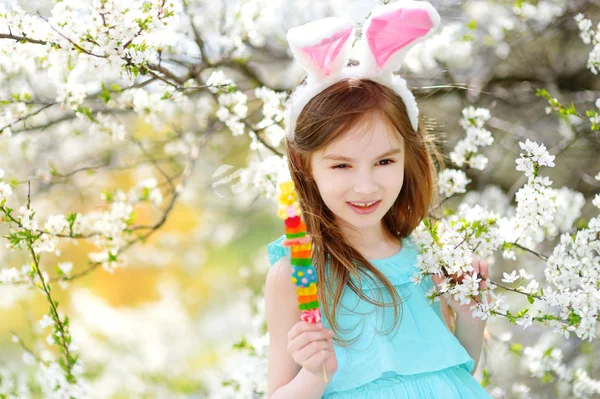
x: 371, y: 241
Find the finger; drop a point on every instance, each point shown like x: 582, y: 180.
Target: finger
x: 484, y: 275
x: 485, y: 272
x: 311, y: 349
x: 306, y: 338
x: 303, y: 340
x: 317, y: 359
x: 475, y: 265
x: 301, y: 327
x: 437, y: 279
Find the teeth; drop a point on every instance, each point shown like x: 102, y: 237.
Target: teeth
x: 363, y: 204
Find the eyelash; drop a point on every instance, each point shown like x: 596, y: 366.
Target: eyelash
x: 391, y: 161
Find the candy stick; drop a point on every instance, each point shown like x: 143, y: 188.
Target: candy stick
x: 303, y: 273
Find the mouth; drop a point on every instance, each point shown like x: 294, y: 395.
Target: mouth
x: 363, y: 208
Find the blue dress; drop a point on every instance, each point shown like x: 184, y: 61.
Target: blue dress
x: 421, y: 358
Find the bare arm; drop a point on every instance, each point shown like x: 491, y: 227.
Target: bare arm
x: 285, y: 378
x: 467, y: 329
x: 469, y: 332
x: 448, y: 314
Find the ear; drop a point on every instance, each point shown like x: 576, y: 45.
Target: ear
x: 392, y: 30
x: 322, y: 47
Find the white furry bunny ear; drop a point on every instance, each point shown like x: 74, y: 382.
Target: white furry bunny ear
x: 322, y: 47
x: 392, y: 30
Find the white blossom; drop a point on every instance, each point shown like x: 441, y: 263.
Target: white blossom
x: 510, y: 278
x: 14, y: 275
x: 416, y: 278
x: 535, y: 154
x: 474, y: 117
x: 217, y: 78
x: 5, y: 191
x: 57, y: 224
x: 65, y: 267
x: 596, y: 201
x: 46, y: 321
x: 520, y: 390
x: 465, y: 150
x: 25, y: 217
x: 452, y: 181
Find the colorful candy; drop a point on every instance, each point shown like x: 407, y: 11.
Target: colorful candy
x: 304, y: 274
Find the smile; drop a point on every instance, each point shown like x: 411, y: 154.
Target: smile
x: 364, y: 207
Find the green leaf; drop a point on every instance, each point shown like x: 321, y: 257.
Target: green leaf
x: 104, y: 94
x: 571, y: 110
x: 486, y: 378
x: 547, y: 377
x: 543, y: 93
x: 516, y: 348
x: 530, y: 299
x: 87, y: 112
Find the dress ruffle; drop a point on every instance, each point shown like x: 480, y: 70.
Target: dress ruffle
x: 450, y: 383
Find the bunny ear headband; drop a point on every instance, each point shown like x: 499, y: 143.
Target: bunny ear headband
x: 322, y: 47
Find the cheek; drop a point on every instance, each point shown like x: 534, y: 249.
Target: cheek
x: 330, y: 188
x: 393, y: 176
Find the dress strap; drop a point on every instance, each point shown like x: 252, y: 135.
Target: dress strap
x: 276, y: 251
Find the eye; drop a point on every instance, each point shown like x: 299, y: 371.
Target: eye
x: 341, y: 166
x: 389, y: 161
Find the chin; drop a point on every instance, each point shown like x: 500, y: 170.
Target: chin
x: 363, y: 221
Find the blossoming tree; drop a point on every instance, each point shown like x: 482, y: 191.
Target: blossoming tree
x: 77, y: 77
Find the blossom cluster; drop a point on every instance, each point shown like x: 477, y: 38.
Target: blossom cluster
x: 590, y: 36
x: 547, y: 363
x: 13, y: 385
x: 107, y: 230
x: 536, y: 201
x: 233, y: 108
x: 273, y: 111
x: 451, y: 244
x: 541, y: 13
x: 452, y: 181
x: 573, y: 273
x: 263, y: 176
x: 465, y: 150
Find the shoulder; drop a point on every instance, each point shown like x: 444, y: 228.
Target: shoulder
x: 279, y: 284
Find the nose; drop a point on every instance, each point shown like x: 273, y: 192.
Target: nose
x: 364, y: 183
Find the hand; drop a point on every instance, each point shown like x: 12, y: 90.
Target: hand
x: 310, y: 344
x: 480, y: 270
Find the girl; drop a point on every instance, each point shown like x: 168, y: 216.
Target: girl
x: 363, y: 170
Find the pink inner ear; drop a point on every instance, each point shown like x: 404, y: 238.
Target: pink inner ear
x: 325, y: 53
x: 392, y: 31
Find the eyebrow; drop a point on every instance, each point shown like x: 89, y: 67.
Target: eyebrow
x: 334, y: 157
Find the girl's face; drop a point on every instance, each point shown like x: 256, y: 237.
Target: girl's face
x: 365, y: 165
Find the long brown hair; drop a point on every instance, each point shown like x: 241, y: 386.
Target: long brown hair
x: 327, y: 117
